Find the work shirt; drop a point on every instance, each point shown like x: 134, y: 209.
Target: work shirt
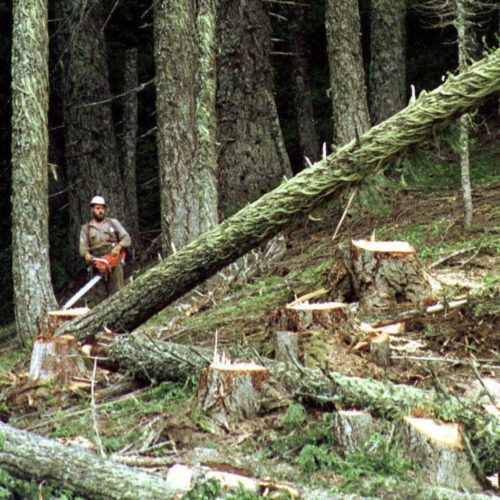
x: 100, y: 241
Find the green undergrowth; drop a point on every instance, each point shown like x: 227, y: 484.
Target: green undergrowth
x: 251, y: 301
x: 309, y: 442
x: 437, y: 168
x: 120, y: 423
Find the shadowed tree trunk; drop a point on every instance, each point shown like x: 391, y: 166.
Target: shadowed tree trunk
x: 387, y: 58
x: 347, y: 76
x: 33, y: 293
x: 183, y: 80
x: 259, y: 221
x: 90, y: 143
x: 252, y: 156
x: 308, y: 140
x: 129, y: 145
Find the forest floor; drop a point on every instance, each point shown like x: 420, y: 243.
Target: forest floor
x: 152, y: 422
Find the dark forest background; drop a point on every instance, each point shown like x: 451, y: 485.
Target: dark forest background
x: 431, y: 53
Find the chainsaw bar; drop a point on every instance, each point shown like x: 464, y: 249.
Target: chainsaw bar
x: 78, y: 295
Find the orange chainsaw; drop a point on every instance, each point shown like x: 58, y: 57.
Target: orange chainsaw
x: 104, y: 265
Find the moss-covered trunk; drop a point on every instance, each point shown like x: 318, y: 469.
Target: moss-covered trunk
x: 35, y: 458
x: 33, y: 293
x: 259, y: 221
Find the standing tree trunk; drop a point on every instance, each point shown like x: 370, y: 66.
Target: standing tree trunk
x: 347, y: 77
x: 387, y: 58
x: 261, y: 220
x: 91, y: 149
x: 308, y: 140
x: 463, y: 57
x: 129, y: 145
x: 206, y: 116
x: 33, y: 293
x: 252, y: 156
x: 188, y: 195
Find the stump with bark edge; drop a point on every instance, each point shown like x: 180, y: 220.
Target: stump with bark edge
x: 56, y: 358
x: 385, y: 277
x: 352, y: 429
x: 438, y: 449
x: 228, y: 393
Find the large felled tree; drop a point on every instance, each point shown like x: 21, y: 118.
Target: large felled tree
x: 261, y: 220
x: 33, y: 293
x: 90, y: 145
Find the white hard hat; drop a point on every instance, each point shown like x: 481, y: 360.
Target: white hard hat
x: 97, y: 200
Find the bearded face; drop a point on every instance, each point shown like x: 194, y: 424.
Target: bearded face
x: 98, y: 212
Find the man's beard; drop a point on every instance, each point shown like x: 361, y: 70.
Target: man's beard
x: 99, y: 217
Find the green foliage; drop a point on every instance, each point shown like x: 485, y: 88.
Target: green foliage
x: 294, y: 417
x: 12, y: 488
x: 207, y: 490
x: 367, y: 470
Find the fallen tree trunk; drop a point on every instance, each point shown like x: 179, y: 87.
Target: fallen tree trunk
x: 31, y: 457
x: 259, y: 221
x: 146, y: 359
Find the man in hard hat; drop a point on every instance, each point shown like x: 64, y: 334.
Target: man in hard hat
x: 103, y: 236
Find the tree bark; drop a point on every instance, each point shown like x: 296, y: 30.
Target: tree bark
x: 347, y: 77
x: 31, y: 457
x: 90, y: 144
x: 185, y: 111
x: 259, y: 221
x: 387, y: 58
x: 148, y: 360
x: 33, y: 293
x: 252, y: 157
x: 306, y: 125
x: 129, y: 146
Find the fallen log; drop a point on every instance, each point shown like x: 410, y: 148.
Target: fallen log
x: 346, y: 167
x: 166, y: 361
x: 31, y: 457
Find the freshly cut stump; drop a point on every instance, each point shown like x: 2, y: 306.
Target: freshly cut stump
x: 385, y: 277
x: 438, y: 450
x: 328, y: 315
x: 380, y: 349
x: 56, y: 358
x: 352, y: 429
x: 228, y: 393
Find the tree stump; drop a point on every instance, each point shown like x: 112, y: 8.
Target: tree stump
x: 385, y: 277
x: 56, y: 358
x: 438, y: 450
x: 227, y: 393
x: 352, y: 429
x: 380, y: 349
x: 287, y: 347
x: 328, y: 315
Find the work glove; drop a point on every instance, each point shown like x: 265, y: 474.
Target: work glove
x: 88, y: 258
x: 116, y: 250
